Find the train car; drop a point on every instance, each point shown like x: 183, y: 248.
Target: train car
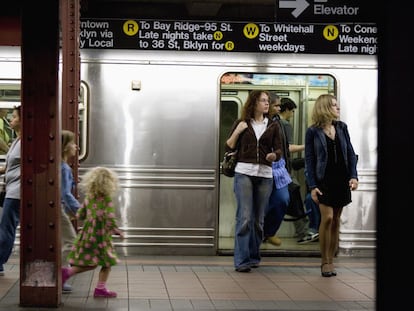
x: 160, y: 120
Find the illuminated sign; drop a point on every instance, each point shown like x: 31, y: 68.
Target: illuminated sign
x: 337, y: 38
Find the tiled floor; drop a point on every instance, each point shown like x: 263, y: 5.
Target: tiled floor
x: 210, y: 283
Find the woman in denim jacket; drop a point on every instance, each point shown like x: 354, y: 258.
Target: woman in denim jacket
x: 330, y: 163
x: 257, y: 139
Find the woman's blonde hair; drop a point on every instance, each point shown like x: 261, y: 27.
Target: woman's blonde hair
x: 67, y: 137
x: 322, y: 111
x: 99, y: 182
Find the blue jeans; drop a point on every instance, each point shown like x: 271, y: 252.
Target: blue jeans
x: 314, y: 215
x: 8, y: 225
x: 276, y: 210
x: 252, y: 196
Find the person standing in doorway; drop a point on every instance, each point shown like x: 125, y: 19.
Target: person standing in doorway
x: 279, y: 199
x: 287, y: 109
x: 313, y: 211
x: 330, y: 165
x: 257, y: 139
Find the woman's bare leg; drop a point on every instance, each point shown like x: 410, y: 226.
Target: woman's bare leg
x: 334, y: 243
x: 325, y: 236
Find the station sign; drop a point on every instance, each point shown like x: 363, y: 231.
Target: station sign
x: 325, y: 11
x: 210, y: 36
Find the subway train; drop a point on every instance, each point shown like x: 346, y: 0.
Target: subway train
x: 160, y: 119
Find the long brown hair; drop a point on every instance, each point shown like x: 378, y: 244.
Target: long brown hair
x: 250, y: 104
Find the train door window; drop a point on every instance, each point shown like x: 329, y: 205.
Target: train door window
x: 9, y: 98
x: 229, y: 111
x: 83, y: 118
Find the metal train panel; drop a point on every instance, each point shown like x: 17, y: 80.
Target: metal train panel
x: 159, y: 120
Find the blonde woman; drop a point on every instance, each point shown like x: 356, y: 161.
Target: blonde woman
x: 331, y: 173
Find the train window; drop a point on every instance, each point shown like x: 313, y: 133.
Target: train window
x: 9, y: 93
x: 9, y: 98
x: 83, y: 118
x: 229, y: 111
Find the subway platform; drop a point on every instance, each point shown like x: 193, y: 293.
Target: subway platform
x: 210, y: 283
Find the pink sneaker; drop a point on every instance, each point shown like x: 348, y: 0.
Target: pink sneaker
x: 104, y: 293
x: 65, y: 275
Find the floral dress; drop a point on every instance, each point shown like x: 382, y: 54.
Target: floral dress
x: 93, y: 244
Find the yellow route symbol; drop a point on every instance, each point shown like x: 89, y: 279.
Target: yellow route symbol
x: 229, y: 45
x: 251, y: 31
x: 218, y: 35
x: 330, y: 32
x: 130, y: 28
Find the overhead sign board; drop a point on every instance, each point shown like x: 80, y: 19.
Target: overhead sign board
x: 202, y: 36
x: 325, y: 11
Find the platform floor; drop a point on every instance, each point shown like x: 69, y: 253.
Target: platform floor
x: 210, y: 283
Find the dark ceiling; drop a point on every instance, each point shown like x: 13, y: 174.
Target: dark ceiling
x: 237, y: 10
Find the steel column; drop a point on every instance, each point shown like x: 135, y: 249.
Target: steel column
x: 70, y: 19
x: 40, y: 260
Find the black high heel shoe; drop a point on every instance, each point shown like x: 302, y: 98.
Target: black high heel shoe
x: 325, y: 274
x: 333, y: 272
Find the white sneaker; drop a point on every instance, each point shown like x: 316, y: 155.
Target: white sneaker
x: 66, y: 288
x: 309, y: 238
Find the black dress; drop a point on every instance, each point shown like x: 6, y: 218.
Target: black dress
x: 335, y: 184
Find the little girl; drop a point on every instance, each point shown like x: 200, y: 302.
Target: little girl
x: 70, y: 204
x: 93, y: 245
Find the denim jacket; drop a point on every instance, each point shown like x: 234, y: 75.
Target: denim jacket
x: 70, y: 203
x: 316, y: 153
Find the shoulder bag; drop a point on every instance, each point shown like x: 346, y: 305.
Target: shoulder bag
x: 229, y: 163
x: 230, y: 160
